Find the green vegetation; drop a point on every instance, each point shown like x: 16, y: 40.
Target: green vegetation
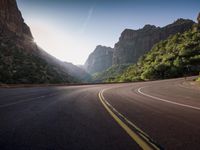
x: 18, y: 65
x: 110, y: 74
x: 177, y: 56
x: 198, y: 79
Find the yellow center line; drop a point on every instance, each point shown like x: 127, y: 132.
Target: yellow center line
x: 145, y: 145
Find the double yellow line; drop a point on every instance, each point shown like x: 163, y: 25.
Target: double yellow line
x: 140, y: 137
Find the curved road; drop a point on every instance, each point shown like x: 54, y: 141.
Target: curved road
x: 144, y: 115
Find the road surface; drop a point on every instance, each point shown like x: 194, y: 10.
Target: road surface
x: 131, y: 116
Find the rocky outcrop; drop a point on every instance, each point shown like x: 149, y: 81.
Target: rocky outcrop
x: 99, y: 60
x: 21, y: 60
x: 198, y: 19
x: 11, y: 20
x: 135, y: 43
x: 197, y: 26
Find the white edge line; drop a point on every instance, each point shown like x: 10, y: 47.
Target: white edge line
x: 167, y: 101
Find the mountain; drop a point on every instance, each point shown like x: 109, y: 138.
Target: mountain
x: 78, y: 72
x: 110, y: 74
x: 99, y: 60
x: 177, y: 56
x: 135, y: 43
x: 198, y: 18
x: 21, y: 59
x: 131, y: 46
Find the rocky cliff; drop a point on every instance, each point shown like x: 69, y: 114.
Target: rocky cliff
x: 21, y: 60
x: 177, y: 56
x: 135, y: 43
x: 11, y: 20
x: 99, y: 60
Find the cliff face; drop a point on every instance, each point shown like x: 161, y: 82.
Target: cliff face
x: 170, y: 58
x: 11, y: 20
x: 135, y: 43
x: 198, y: 19
x: 99, y: 60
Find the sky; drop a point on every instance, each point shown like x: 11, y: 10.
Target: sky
x: 71, y: 29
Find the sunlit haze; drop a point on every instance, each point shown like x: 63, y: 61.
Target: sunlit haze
x: 71, y: 29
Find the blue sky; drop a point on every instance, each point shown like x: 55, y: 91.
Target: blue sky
x: 71, y: 29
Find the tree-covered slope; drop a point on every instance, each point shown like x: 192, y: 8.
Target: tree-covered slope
x: 177, y: 56
x: 110, y: 74
x: 133, y: 44
x: 18, y: 65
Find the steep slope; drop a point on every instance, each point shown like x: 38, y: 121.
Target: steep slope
x: 21, y: 60
x: 99, y: 60
x: 17, y: 65
x: 11, y: 21
x: 135, y: 43
x: 177, y: 56
x: 110, y: 74
x: 78, y: 72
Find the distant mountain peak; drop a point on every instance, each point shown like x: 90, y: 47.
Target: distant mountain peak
x: 100, y: 47
x: 99, y: 60
x: 148, y: 27
x: 182, y: 21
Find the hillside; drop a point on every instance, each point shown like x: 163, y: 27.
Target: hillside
x: 21, y: 60
x: 133, y: 44
x: 17, y: 65
x: 110, y: 74
x: 177, y: 56
x: 77, y: 72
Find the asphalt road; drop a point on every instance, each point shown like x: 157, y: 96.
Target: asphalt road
x: 132, y: 116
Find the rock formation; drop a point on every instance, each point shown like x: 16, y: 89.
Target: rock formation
x: 198, y: 18
x: 135, y: 43
x: 99, y: 60
x: 11, y: 20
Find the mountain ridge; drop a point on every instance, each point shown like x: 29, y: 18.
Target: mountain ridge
x: 134, y: 43
x: 177, y: 56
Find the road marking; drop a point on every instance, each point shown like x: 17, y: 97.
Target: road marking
x: 141, y: 138
x: 164, y: 100
x: 26, y: 100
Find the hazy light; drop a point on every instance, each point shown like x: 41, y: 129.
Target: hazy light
x: 66, y: 46
x: 70, y: 30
